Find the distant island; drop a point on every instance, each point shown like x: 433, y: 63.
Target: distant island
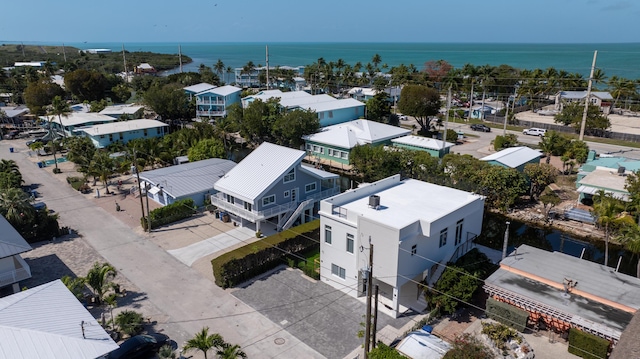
x: 72, y: 58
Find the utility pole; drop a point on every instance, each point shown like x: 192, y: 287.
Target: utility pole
x: 506, y: 241
x: 135, y: 165
x: 367, y: 337
x: 586, y: 100
x: 180, y: 56
x: 446, y: 120
x: 470, y: 101
x: 267, y: 55
x: 126, y: 74
x: 375, y: 318
x: 506, y: 114
x: 64, y: 53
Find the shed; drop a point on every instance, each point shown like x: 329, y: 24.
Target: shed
x: 514, y: 157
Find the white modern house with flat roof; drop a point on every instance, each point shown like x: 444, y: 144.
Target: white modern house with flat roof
x: 272, y: 185
x: 13, y: 268
x: 123, y: 131
x: 193, y: 180
x: 415, y: 228
x: 48, y: 322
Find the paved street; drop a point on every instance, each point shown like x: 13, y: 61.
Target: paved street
x: 189, y: 300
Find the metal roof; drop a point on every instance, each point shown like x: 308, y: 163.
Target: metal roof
x: 189, y: 178
x: 333, y: 105
x: 302, y: 101
x: 513, y: 156
x: 203, y: 86
x: 120, y: 109
x: 316, y: 172
x: 259, y: 171
x: 45, y: 322
x: 606, y: 180
x: 576, y: 95
x: 423, y: 345
x: 121, y: 126
x: 423, y: 142
x: 10, y: 113
x: 11, y: 242
x: 358, y: 132
x: 222, y: 90
x: 79, y: 118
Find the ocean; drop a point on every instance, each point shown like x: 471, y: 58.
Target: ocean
x: 622, y: 60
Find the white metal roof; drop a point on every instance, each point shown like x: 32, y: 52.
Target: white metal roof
x: 121, y: 126
x: 15, y: 112
x: 268, y: 94
x: 120, y: 109
x: 322, y: 174
x: 333, y: 105
x: 79, y: 118
x: 362, y: 91
x: 189, y: 178
x: 11, y: 242
x: 203, y: 86
x: 358, y: 132
x: 513, y: 156
x: 423, y: 142
x: 45, y: 322
x: 423, y: 345
x: 577, y: 95
x: 303, y: 101
x: 259, y: 171
x: 145, y: 66
x: 222, y: 90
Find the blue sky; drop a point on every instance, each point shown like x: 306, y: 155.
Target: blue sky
x: 539, y: 21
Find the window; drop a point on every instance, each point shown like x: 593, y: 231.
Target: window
x: 121, y: 136
x: 290, y: 176
x: 309, y: 147
x: 330, y: 114
x: 443, y: 237
x: 144, y: 132
x: 338, y: 271
x: 321, y: 115
x: 459, y: 232
x: 414, y: 249
x: 327, y: 234
x: 349, y: 243
x: 286, y: 194
x: 248, y: 206
x: 344, y: 155
x: 329, y: 152
x: 310, y: 187
x: 231, y: 199
x: 269, y: 200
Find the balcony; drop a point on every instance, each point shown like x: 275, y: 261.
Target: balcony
x: 210, y: 113
x: 200, y: 101
x: 22, y: 272
x: 253, y: 216
x: 324, y: 194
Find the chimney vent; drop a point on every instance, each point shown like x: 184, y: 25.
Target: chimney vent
x: 374, y: 201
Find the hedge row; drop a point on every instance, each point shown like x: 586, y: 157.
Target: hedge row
x: 170, y: 213
x: 246, y: 262
x: 587, y: 345
x: 507, y: 314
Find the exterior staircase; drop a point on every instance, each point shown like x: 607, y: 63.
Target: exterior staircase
x: 292, y: 218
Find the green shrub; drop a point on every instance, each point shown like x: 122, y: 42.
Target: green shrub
x: 500, y: 334
x: 501, y: 142
x: 75, y: 182
x: 507, y: 314
x: 256, y: 258
x: 129, y: 322
x: 170, y: 213
x: 587, y: 345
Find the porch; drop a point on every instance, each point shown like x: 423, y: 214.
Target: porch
x: 20, y: 272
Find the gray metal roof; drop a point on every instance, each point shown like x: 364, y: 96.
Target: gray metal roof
x: 11, y: 242
x: 539, y: 275
x: 45, y: 322
x: 122, y: 126
x: 322, y: 174
x: 203, y: 86
x: 358, y: 132
x: 513, y: 156
x: 189, y: 178
x: 257, y: 172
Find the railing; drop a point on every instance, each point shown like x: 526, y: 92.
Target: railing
x: 464, y: 247
x: 209, y: 113
x: 324, y: 194
x: 253, y: 216
x: 209, y: 102
x: 339, y: 211
x: 296, y: 213
x: 14, y: 276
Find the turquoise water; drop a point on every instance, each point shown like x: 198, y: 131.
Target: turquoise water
x: 622, y: 60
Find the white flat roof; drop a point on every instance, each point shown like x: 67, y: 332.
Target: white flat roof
x: 79, y: 118
x: 423, y: 142
x: 605, y: 178
x: 409, y: 201
x: 121, y: 126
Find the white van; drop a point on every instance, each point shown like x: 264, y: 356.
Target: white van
x: 535, y: 131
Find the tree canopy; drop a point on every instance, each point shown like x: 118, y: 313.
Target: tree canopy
x: 421, y: 102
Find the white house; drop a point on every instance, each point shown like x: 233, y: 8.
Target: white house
x: 415, y: 228
x: 48, y: 322
x: 13, y: 268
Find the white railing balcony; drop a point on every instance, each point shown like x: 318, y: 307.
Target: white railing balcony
x: 16, y: 275
x: 324, y: 194
x: 253, y: 216
x: 200, y: 101
x: 210, y: 113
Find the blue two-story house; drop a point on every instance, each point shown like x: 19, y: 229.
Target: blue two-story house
x: 271, y: 187
x: 123, y: 131
x: 215, y: 102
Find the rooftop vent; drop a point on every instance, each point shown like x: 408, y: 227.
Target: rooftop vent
x: 621, y: 170
x: 374, y: 201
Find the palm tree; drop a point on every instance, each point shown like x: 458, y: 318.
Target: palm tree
x: 204, y: 342
x: 60, y: 108
x: 229, y: 351
x: 606, y: 209
x: 99, y: 279
x: 112, y: 301
x: 16, y: 206
x: 102, y: 165
x: 218, y: 67
x: 630, y: 238
x: 229, y: 72
x: 376, y: 59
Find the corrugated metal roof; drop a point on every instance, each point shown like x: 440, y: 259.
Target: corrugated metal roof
x: 259, y: 171
x: 423, y: 142
x: 358, y: 132
x: 120, y: 109
x: 79, y: 118
x: 222, y: 90
x: 203, y: 86
x: 317, y: 172
x: 303, y: 101
x: 513, y: 156
x: 189, y: 178
x: 11, y: 242
x: 603, y: 95
x: 122, y: 126
x: 45, y: 322
x: 333, y: 105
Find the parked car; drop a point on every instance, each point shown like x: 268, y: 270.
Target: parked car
x: 41, y: 140
x: 402, y: 117
x: 12, y: 134
x: 140, y: 346
x: 535, y: 131
x: 480, y: 127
